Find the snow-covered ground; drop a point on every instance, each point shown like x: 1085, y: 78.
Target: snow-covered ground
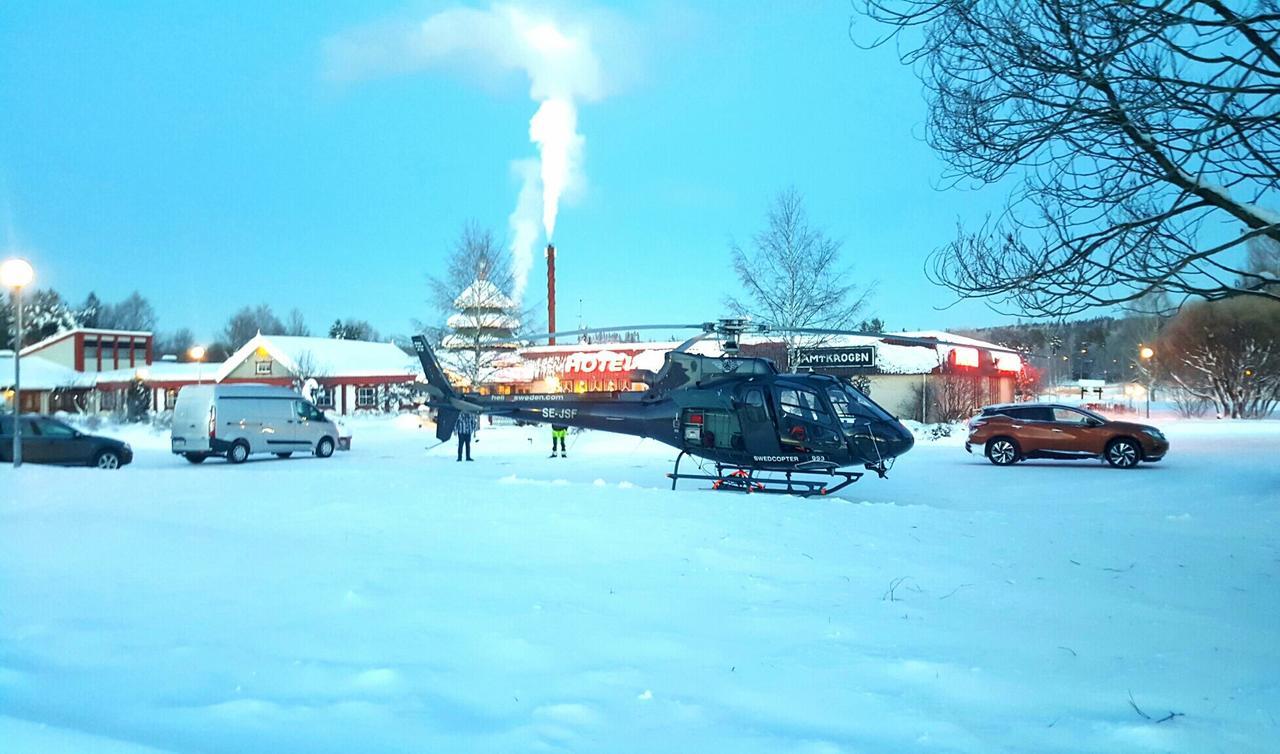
x: 391, y: 599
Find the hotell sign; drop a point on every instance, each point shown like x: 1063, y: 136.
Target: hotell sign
x: 851, y: 357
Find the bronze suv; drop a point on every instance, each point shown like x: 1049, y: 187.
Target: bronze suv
x: 1018, y: 431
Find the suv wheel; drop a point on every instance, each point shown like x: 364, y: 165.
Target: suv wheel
x: 1002, y: 451
x: 1123, y: 453
x: 239, y: 453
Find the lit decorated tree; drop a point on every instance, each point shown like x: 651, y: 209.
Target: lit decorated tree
x: 484, y: 314
x: 476, y: 294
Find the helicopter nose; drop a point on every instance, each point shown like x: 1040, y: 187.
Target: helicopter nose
x: 882, y: 440
x: 896, y: 438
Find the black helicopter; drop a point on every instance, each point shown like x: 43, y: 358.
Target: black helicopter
x: 765, y: 430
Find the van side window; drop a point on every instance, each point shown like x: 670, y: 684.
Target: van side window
x: 307, y: 411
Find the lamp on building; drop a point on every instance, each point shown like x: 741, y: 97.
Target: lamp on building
x: 16, y: 274
x: 1147, y: 354
x: 197, y: 355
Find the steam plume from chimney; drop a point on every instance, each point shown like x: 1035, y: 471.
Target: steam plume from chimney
x: 557, y: 55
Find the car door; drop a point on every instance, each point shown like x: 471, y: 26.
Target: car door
x: 279, y: 431
x: 6, y: 439
x: 1074, y: 432
x: 63, y: 445
x: 308, y: 424
x: 35, y: 449
x: 1032, y: 427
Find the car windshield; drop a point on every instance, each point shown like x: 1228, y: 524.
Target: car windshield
x: 852, y: 407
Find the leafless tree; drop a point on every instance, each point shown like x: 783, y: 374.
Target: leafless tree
x: 295, y: 324
x: 1144, y: 134
x: 133, y: 313
x: 792, y: 276
x: 177, y: 343
x: 248, y: 322
x: 1227, y: 352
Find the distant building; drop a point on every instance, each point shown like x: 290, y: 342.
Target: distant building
x: 349, y: 375
x: 92, y: 371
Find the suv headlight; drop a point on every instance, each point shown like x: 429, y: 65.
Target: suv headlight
x: 1152, y: 431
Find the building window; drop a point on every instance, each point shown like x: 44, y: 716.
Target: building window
x: 323, y: 396
x: 366, y: 396
x: 262, y: 368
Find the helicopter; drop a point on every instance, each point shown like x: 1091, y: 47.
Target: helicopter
x: 764, y: 430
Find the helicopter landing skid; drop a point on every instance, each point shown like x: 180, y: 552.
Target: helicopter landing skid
x: 738, y: 479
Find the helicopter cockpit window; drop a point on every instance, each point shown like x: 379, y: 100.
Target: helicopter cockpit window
x: 804, y: 423
x: 804, y: 404
x: 852, y: 406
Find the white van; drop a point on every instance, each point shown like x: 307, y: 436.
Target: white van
x: 236, y: 421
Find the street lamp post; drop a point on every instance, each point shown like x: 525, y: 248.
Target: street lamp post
x: 16, y: 274
x: 1147, y: 353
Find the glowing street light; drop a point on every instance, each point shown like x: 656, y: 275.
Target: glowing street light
x: 16, y: 274
x: 1147, y: 353
x: 197, y: 355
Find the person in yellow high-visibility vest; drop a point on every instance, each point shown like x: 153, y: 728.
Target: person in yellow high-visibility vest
x: 558, y: 433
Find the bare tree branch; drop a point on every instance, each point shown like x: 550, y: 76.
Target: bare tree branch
x: 1144, y: 136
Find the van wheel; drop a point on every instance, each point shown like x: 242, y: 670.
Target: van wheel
x: 324, y: 448
x: 1002, y: 451
x: 1123, y: 453
x: 239, y: 452
x: 195, y: 457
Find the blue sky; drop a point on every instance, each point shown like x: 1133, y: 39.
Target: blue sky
x: 201, y: 154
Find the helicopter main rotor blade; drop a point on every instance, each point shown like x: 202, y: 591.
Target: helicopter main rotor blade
x: 593, y: 331
x: 891, y: 339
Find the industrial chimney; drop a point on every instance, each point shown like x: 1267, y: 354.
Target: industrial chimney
x: 551, y: 293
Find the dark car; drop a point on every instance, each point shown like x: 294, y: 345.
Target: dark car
x: 1018, y: 431
x: 47, y: 440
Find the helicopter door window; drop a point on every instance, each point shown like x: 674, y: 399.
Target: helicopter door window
x: 801, y: 420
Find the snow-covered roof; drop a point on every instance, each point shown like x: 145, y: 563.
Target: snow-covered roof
x: 40, y: 374
x: 514, y: 373
x: 906, y: 358
x: 159, y: 371
x: 327, y: 357
x: 85, y: 330
x: 482, y: 294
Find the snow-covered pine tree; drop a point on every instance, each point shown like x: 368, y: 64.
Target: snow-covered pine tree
x: 90, y: 312
x: 45, y: 314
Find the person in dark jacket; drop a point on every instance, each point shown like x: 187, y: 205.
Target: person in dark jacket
x: 558, y: 433
x: 466, y: 426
